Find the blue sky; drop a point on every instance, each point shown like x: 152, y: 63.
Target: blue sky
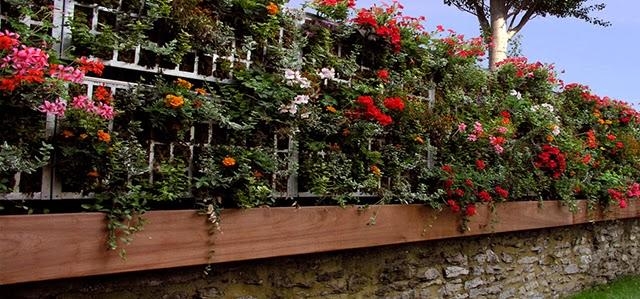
x: 605, y: 59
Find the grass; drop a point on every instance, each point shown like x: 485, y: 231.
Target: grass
x: 624, y: 288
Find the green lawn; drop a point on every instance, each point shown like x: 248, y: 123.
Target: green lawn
x: 624, y: 288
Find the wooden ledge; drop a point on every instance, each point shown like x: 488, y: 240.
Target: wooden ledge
x: 41, y: 247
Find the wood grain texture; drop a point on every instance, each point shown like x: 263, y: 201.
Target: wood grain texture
x: 41, y: 247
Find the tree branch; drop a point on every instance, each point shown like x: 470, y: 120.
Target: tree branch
x: 525, y: 18
x: 482, y: 16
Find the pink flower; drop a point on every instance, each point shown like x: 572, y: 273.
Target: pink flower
x: 498, y: 148
x: 477, y: 127
x: 472, y: 138
x: 56, y: 108
x: 26, y: 60
x: 67, y: 73
x: 105, y: 111
x: 81, y: 102
x: 634, y: 190
x: 502, y: 130
x: 462, y: 127
x: 623, y: 204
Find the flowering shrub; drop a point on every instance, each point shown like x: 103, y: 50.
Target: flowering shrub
x: 30, y: 83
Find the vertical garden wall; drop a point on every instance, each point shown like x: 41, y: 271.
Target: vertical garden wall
x: 224, y: 108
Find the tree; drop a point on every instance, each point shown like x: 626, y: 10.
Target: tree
x: 503, y: 19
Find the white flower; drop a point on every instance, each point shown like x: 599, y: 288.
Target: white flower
x: 548, y: 107
x: 291, y: 109
x: 301, y: 99
x: 305, y: 115
x: 291, y: 74
x: 516, y: 94
x: 555, y: 130
x: 304, y: 82
x: 327, y: 73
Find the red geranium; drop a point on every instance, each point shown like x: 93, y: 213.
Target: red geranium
x: 394, y: 104
x: 502, y: 192
x: 383, y: 75
x: 471, y: 210
x: 551, y: 161
x: 484, y: 196
x: 480, y: 165
x: 453, y: 205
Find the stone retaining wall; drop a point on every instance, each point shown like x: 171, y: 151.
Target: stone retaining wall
x: 547, y: 263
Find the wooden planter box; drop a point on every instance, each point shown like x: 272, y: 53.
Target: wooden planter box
x: 41, y: 247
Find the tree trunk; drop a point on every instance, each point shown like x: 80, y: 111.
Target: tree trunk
x: 499, y: 33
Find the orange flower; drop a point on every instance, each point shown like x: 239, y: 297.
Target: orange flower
x: 94, y: 174
x: 67, y: 134
x: 102, y: 95
x: 201, y: 91
x: 184, y: 83
x: 228, y: 161
x: 419, y: 139
x: 83, y: 136
x: 549, y: 138
x: 331, y: 109
x: 103, y: 136
x: 257, y: 174
x: 376, y: 171
x: 173, y: 101
x: 272, y: 8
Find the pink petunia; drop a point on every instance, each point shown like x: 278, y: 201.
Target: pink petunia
x: 462, y: 127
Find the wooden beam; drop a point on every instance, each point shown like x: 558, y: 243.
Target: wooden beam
x: 41, y: 247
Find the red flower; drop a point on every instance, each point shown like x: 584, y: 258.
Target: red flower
x: 480, y: 165
x: 471, y: 210
x: 611, y: 137
x: 484, y: 196
x: 622, y: 204
x: 586, y: 159
x: 505, y: 114
x: 365, y: 100
x: 447, y: 168
x: 102, y: 95
x: 459, y: 192
x: 384, y: 119
x: 496, y: 140
x: 87, y: 66
x: 7, y: 43
x: 365, y: 17
x: 394, y: 104
x: 383, y: 75
x: 448, y: 183
x: 591, y: 139
x: 502, y: 192
x: 619, y: 144
x: 469, y: 183
x: 453, y: 205
x: 551, y: 161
